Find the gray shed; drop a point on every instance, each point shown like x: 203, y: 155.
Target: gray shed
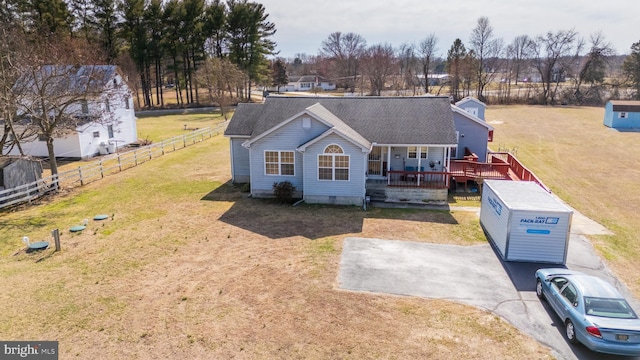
x: 524, y: 222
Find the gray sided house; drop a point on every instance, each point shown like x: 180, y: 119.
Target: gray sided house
x: 473, y: 106
x: 332, y: 149
x: 472, y: 130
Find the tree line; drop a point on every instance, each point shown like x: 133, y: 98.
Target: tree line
x: 159, y: 44
x: 551, y: 68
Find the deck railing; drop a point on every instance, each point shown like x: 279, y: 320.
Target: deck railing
x: 516, y: 167
x: 468, y: 170
x: 418, y: 179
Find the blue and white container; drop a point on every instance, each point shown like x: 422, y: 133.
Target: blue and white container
x: 524, y: 222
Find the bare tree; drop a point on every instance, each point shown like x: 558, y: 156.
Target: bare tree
x: 379, y: 65
x: 12, y: 42
x: 406, y: 66
x: 427, y: 50
x: 488, y: 51
x: 519, y: 52
x: 554, y: 54
x: 219, y: 76
x: 347, y: 51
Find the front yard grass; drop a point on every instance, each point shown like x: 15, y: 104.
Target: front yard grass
x: 188, y: 267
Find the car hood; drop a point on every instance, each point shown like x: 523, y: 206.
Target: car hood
x: 618, y: 324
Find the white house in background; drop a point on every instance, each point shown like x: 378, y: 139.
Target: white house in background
x: 104, y: 122
x: 307, y: 83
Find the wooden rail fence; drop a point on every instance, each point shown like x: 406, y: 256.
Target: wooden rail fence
x: 104, y: 166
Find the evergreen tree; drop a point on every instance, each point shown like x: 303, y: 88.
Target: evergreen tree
x: 135, y: 34
x: 106, y: 17
x: 631, y: 68
x: 215, y: 27
x: 455, y: 67
x: 249, y: 43
x: 279, y: 74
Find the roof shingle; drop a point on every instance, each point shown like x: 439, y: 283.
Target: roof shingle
x: 381, y: 120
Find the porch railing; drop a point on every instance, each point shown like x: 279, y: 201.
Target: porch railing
x: 418, y: 179
x: 464, y: 170
x: 516, y: 167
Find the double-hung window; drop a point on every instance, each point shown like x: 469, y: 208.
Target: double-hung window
x: 412, y: 152
x: 279, y: 163
x: 333, y: 164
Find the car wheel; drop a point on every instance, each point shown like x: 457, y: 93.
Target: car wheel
x: 539, y: 292
x: 570, y: 330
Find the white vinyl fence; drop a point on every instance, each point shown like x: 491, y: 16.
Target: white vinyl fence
x: 105, y: 165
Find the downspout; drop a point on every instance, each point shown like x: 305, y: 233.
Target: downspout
x: 233, y: 173
x: 365, y: 159
x: 250, y: 171
x: 303, y: 174
x: 419, y: 156
x: 388, y: 164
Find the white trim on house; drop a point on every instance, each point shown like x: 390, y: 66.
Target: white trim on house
x: 331, y: 131
x: 280, y: 125
x: 280, y: 163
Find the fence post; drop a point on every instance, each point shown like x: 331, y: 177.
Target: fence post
x: 101, y: 169
x: 56, y: 238
x: 184, y: 141
x: 149, y: 150
x: 55, y: 182
x: 135, y: 157
x: 162, y: 147
x: 80, y: 175
x: 173, y: 142
x: 119, y: 163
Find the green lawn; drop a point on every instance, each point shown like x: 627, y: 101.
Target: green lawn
x: 158, y: 128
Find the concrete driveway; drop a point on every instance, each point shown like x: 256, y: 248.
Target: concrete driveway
x: 474, y: 275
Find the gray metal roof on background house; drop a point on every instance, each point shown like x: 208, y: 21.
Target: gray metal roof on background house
x: 381, y: 120
x: 624, y: 105
x: 65, y: 79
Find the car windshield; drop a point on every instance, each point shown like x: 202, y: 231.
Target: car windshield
x: 611, y: 308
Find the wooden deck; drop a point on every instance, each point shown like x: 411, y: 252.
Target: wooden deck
x: 501, y: 166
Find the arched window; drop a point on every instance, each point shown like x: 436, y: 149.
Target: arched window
x: 332, y: 164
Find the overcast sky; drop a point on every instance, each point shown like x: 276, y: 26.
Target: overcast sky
x: 302, y: 25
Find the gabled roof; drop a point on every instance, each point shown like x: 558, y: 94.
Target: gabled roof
x: 249, y: 113
x: 307, y: 78
x: 381, y: 120
x: 471, y: 99
x: 470, y: 116
x: 66, y: 79
x: 628, y: 105
x: 336, y: 126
